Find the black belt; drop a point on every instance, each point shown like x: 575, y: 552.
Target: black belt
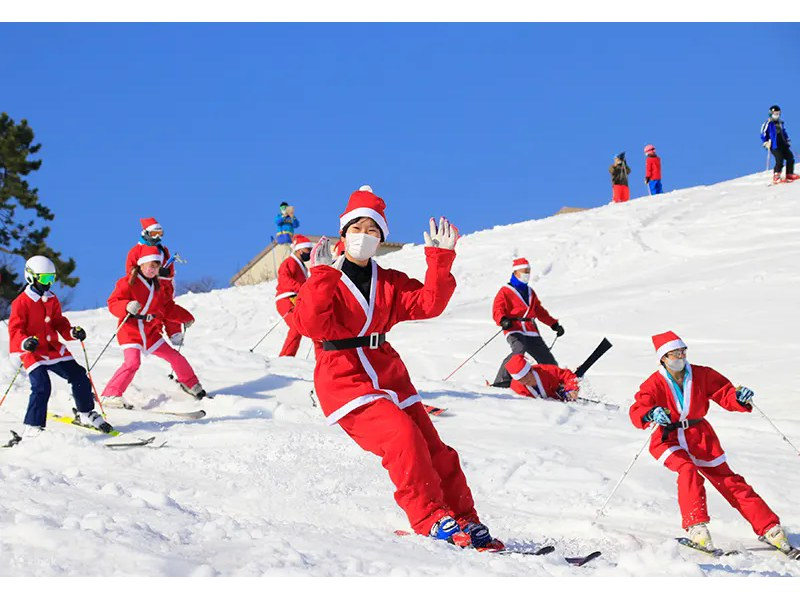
x: 373, y: 341
x: 145, y: 317
x: 668, y: 429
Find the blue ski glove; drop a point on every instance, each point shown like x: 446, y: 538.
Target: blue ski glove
x: 744, y: 396
x: 658, y: 415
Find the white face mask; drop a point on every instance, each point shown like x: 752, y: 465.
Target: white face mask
x: 676, y: 365
x: 523, y: 276
x: 361, y: 246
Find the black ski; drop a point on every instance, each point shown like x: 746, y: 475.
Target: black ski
x: 15, y: 440
x: 604, y: 346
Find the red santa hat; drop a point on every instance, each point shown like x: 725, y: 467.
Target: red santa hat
x: 518, y: 366
x: 149, y: 254
x: 520, y: 263
x: 149, y: 224
x: 666, y: 342
x: 649, y: 148
x: 301, y: 242
x: 365, y: 204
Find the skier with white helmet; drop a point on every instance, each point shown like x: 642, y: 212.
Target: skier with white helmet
x: 775, y: 138
x: 34, y: 326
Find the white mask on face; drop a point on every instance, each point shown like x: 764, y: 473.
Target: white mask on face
x: 524, y: 276
x: 361, y: 246
x: 676, y: 365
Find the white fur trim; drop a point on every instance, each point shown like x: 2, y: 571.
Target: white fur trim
x: 366, y: 188
x: 409, y: 401
x: 522, y: 372
x: 365, y: 213
x: 48, y: 362
x: 308, y: 245
x: 670, y: 346
x: 149, y: 258
x: 285, y: 295
x: 352, y: 406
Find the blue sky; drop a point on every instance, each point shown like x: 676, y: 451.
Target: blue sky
x: 208, y: 127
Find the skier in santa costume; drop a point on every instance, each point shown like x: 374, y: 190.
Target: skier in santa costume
x: 34, y: 325
x: 541, y: 381
x: 152, y: 235
x: 347, y: 307
x: 515, y: 302
x: 292, y: 274
x: 144, y: 307
x: 676, y: 398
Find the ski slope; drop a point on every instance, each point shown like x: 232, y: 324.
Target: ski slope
x: 262, y: 486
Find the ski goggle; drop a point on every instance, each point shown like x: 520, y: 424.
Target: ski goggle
x: 155, y: 234
x: 45, y: 278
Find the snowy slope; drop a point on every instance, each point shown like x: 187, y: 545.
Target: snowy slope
x: 263, y: 487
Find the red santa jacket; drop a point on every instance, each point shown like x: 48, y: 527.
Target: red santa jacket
x: 549, y: 378
x: 168, y: 282
x: 652, y: 168
x: 40, y: 316
x: 158, y: 309
x: 330, y: 307
x: 701, y: 385
x: 508, y: 302
x: 292, y: 274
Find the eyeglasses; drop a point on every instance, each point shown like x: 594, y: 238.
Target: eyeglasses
x: 46, y: 278
x: 676, y: 353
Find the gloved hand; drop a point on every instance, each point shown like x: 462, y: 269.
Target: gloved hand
x: 176, y: 339
x: 506, y: 323
x: 767, y: 144
x: 133, y: 307
x: 163, y: 272
x: 187, y: 324
x: 443, y: 237
x: 658, y: 415
x: 566, y: 395
x: 744, y: 396
x: 78, y: 333
x: 30, y: 344
x: 558, y: 329
x: 321, y: 254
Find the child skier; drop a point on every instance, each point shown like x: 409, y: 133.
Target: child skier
x: 34, y: 325
x: 143, y: 307
x: 347, y: 308
x: 541, y: 381
x: 292, y: 274
x: 676, y: 398
x: 652, y: 170
x: 619, y: 170
x: 515, y: 309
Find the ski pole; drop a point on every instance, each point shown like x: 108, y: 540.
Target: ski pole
x: 89, y: 373
x: 125, y: 319
x: 474, y: 354
x: 624, y: 475
x: 553, y: 343
x: 767, y: 168
x: 771, y: 423
x: 267, y: 334
x: 171, y: 375
x: 12, y: 384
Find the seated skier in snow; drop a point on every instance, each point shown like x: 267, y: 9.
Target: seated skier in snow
x: 541, y: 381
x: 676, y: 398
x: 347, y: 307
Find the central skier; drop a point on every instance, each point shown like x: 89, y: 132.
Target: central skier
x: 346, y: 308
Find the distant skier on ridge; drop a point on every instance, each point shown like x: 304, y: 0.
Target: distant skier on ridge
x: 775, y: 138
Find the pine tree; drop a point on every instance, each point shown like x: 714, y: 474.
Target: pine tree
x: 22, y: 233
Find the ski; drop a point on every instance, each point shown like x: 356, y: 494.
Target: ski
x: 205, y: 394
x: 14, y: 441
x: 66, y: 419
x: 132, y: 443
x: 575, y: 561
x: 148, y: 441
x: 717, y: 552
x: 431, y: 410
x: 199, y: 414
x: 793, y: 554
x: 608, y: 406
x: 604, y: 346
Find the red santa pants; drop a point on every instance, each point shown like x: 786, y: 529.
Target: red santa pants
x: 133, y: 359
x: 426, y: 472
x: 621, y: 193
x: 293, y: 338
x: 740, y: 495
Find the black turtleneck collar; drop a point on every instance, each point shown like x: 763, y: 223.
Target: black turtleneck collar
x: 360, y: 275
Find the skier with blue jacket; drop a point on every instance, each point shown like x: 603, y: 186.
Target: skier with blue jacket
x: 775, y: 138
x: 286, y: 223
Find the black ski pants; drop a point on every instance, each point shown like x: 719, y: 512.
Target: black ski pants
x: 781, y: 153
x: 520, y: 343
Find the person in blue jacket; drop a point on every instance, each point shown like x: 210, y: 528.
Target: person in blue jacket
x: 286, y: 223
x: 775, y: 138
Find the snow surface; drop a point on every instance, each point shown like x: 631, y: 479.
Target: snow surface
x: 263, y: 487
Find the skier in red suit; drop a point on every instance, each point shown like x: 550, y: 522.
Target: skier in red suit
x: 676, y: 398
x: 144, y: 308
x: 152, y: 236
x: 292, y: 274
x: 541, y: 381
x: 347, y: 307
x: 516, y: 309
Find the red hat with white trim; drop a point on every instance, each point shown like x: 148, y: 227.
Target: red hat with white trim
x: 520, y: 263
x: 649, y: 148
x: 666, y: 342
x: 518, y: 366
x: 301, y: 242
x: 150, y: 224
x: 149, y: 254
x: 365, y: 204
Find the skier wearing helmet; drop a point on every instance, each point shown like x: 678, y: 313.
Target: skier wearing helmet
x: 652, y: 170
x: 35, y: 323
x: 775, y: 138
